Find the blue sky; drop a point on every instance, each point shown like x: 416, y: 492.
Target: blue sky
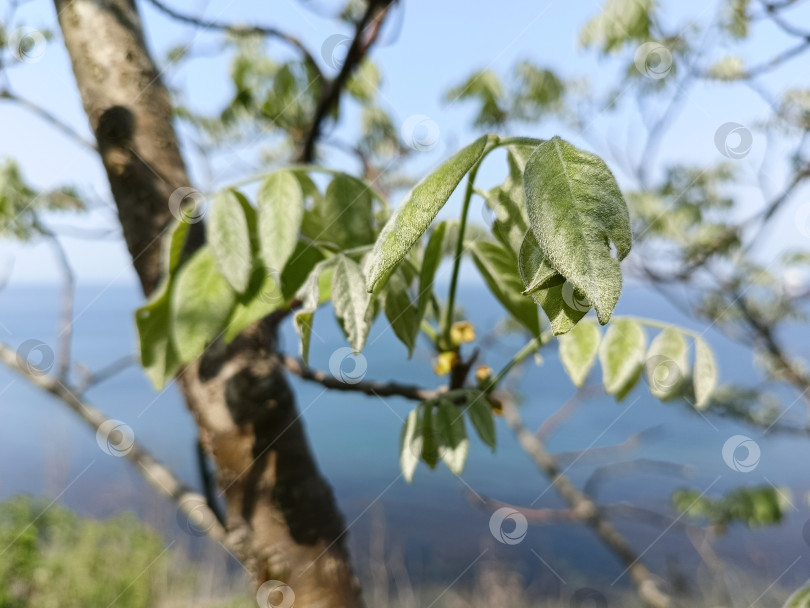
x: 427, y: 48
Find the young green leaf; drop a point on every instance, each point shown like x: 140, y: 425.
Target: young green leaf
x: 480, y: 414
x: 229, y: 238
x: 280, y: 202
x: 173, y: 244
x: 622, y: 355
x: 666, y: 364
x: 559, y: 299
x: 578, y: 349
x: 414, y: 215
x: 315, y: 291
x: 451, y: 435
x: 400, y: 311
x: 158, y: 355
x: 705, y: 374
x: 430, y: 264
x: 201, y: 302
x: 345, y: 213
x: 535, y: 269
x: 430, y: 446
x: 350, y: 299
x: 576, y: 210
x: 499, y: 268
x: 799, y: 598
x: 263, y: 296
x: 410, y: 444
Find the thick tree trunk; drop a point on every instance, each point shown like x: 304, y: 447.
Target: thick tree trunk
x: 281, y: 514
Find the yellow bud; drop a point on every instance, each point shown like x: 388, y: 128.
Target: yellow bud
x: 462, y: 332
x: 483, y: 373
x: 497, y: 406
x: 445, y: 362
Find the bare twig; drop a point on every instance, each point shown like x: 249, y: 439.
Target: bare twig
x: 241, y: 30
x: 586, y: 510
x: 381, y: 389
x: 48, y: 117
x: 160, y: 477
x: 366, y: 32
x: 91, y: 378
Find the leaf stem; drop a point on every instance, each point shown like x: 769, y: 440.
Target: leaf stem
x: 530, y: 348
x: 451, y: 298
x: 662, y: 325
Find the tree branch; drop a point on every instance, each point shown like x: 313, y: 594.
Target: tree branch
x: 586, y: 510
x: 160, y: 477
x: 367, y: 29
x: 380, y: 389
x: 51, y: 119
x: 241, y: 30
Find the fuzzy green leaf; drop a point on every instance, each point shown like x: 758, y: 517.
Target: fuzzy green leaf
x: 578, y: 349
x: 499, y: 268
x: 563, y: 304
x: 201, y: 302
x: 280, y: 203
x: 410, y: 444
x: 401, y: 312
x: 451, y: 435
x: 705, y: 374
x: 480, y: 414
x: 666, y: 365
x: 414, y: 215
x: 229, y: 238
x: 430, y: 445
x: 158, y: 355
x: 350, y: 299
x: 622, y: 355
x: 576, y: 210
x: 345, y: 213
x: 430, y: 264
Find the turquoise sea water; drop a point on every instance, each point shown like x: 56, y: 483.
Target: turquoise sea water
x: 436, y: 522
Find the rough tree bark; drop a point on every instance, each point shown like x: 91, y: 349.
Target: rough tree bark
x: 281, y: 513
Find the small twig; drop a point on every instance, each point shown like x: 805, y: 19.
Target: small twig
x: 68, y: 293
x: 45, y: 115
x: 366, y: 32
x: 553, y: 422
x: 381, y: 389
x: 191, y: 503
x: 240, y: 30
x: 91, y: 378
x: 586, y: 510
